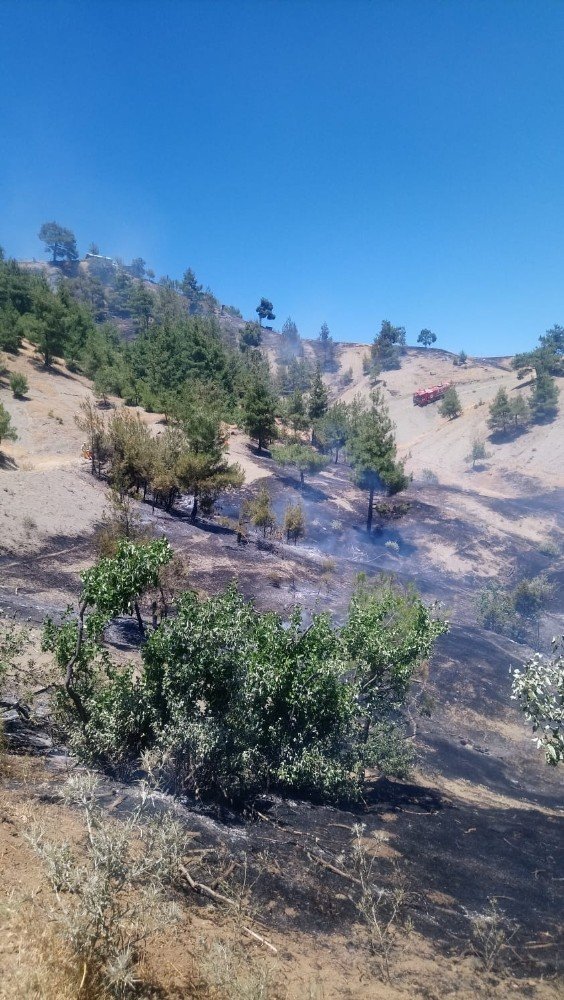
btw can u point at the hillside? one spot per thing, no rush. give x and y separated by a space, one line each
480 815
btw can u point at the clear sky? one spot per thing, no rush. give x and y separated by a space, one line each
352 161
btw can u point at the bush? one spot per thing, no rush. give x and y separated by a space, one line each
18 384
430 477
230 703
103 927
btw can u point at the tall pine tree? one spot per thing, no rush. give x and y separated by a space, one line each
372 451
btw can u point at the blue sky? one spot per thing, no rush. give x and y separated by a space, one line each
352 161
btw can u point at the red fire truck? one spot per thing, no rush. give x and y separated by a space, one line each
434 392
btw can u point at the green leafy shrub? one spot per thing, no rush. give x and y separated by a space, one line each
229 702
18 384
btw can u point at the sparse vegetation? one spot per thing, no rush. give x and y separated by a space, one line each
18 384
514 611
478 452
110 897
294 525
492 933
7 432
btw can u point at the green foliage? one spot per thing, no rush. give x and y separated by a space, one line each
539 689
426 338
332 429
250 337
507 414
294 525
18 384
229 702
302 456
388 346
513 611
110 895
290 330
114 584
372 451
259 411
260 511
265 310
59 241
547 358
450 406
7 432
478 452
544 399
318 397
388 635
10 329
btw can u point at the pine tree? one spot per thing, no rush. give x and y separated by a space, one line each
451 406
259 412
7 432
388 345
544 399
500 412
261 513
520 411
294 522
318 397
372 451
332 430
265 310
302 456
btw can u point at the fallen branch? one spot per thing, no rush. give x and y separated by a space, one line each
205 890
259 937
333 868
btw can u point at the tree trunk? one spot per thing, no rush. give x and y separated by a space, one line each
370 510
139 619
336 456
194 513
302 480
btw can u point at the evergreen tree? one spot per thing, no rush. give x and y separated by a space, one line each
426 338
290 330
520 412
372 451
451 406
7 432
500 412
302 456
10 330
261 513
544 399
141 304
295 412
250 337
138 267
318 398
259 412
59 241
265 310
388 345
332 429
191 288
294 522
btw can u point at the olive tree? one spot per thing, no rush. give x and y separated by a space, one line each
539 689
